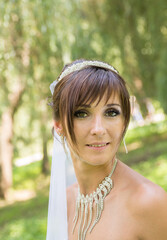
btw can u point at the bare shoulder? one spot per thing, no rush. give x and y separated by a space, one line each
142 189
151 210
151 197
147 203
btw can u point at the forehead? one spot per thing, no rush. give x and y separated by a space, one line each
105 100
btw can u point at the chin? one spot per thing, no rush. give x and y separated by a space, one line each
94 161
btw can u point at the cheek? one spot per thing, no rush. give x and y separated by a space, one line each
117 130
79 130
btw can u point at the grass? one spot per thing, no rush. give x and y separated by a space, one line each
24 220
25 228
27 220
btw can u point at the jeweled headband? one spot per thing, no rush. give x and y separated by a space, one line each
79 66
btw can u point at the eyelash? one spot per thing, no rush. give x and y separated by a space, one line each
78 113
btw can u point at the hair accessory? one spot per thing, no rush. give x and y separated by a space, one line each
79 66
84 206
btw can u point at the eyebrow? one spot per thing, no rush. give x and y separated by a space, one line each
108 105
113 104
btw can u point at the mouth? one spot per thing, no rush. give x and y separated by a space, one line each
98 146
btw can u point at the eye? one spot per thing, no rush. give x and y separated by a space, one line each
80 114
112 113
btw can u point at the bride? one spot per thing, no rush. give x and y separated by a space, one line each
110 201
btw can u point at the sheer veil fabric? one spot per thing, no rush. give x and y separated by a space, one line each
62 175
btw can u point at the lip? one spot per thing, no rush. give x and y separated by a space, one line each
98 148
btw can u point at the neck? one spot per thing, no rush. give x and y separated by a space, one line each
89 177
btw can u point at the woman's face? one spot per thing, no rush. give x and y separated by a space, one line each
98 130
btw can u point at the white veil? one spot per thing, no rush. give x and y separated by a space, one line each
62 175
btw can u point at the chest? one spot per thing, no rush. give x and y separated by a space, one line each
116 223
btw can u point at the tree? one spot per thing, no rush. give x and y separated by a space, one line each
35 37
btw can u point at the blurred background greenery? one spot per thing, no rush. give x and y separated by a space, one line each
37 38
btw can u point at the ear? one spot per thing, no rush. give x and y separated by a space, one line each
58 127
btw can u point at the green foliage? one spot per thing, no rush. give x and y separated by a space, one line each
26 177
154 169
138 31
161 79
148 132
38 37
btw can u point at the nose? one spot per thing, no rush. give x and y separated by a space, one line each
97 126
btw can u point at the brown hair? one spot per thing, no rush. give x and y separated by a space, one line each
85 87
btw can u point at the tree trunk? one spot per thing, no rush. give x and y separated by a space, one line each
6 145
6 153
45 160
